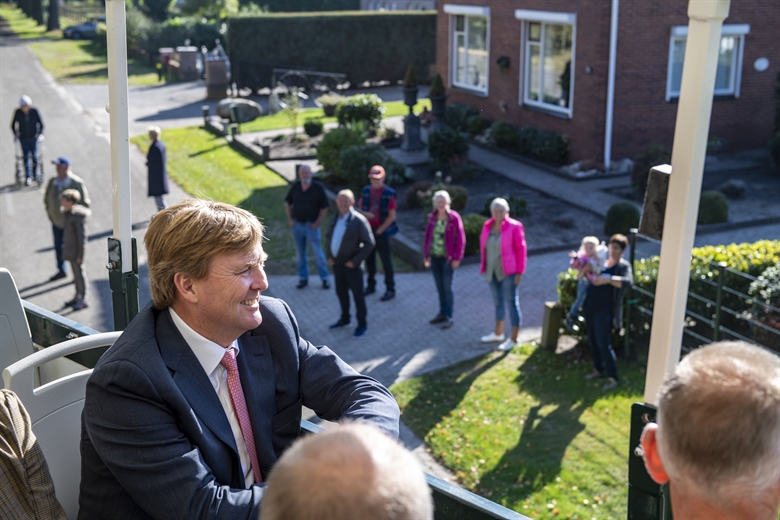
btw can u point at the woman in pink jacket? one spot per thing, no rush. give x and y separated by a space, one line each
445 242
503 254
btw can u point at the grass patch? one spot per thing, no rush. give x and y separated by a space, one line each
525 429
72 61
280 120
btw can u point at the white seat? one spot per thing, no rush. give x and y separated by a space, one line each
55 411
15 339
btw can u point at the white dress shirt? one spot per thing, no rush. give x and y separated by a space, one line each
210 355
338 233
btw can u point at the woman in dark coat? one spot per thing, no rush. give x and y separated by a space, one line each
158 174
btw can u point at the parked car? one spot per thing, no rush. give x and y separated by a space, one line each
84 31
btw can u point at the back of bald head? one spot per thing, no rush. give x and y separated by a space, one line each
352 471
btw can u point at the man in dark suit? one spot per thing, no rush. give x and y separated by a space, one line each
186 414
157 168
350 241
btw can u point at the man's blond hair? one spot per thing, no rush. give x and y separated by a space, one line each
349 472
185 238
719 422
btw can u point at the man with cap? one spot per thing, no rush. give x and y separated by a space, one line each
27 127
378 205
64 180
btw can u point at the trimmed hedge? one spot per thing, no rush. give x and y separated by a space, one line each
367 108
713 208
290 6
472 225
355 162
621 217
365 45
752 259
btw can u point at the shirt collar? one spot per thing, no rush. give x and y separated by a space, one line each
209 354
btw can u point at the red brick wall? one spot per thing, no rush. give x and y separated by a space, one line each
641 116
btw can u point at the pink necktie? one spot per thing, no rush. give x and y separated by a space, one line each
239 406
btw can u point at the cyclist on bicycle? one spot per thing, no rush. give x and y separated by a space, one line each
27 126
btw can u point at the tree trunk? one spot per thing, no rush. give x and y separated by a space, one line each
54 15
37 11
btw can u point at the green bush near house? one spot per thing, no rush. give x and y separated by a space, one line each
413 193
445 144
517 206
365 108
713 208
333 143
355 161
654 155
765 290
621 217
457 115
544 145
459 196
505 135
475 125
472 225
292 6
313 127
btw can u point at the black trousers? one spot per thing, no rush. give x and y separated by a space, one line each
383 247
350 279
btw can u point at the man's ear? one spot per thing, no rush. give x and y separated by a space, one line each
653 464
185 287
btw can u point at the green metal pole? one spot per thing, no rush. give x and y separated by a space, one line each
719 300
124 285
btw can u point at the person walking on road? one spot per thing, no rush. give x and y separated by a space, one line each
350 241
306 204
378 205
443 248
64 180
156 162
74 239
27 127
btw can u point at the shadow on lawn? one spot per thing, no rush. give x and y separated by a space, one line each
537 457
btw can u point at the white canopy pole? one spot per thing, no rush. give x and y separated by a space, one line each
120 138
682 204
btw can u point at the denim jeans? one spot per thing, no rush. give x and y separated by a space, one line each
29 155
442 275
383 248
506 291
303 233
582 292
599 326
58 233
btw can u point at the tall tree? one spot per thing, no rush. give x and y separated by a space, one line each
54 15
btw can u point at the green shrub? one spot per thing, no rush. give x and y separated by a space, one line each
445 144
380 45
750 259
355 161
456 115
476 125
765 290
472 225
329 103
437 87
333 143
461 168
621 217
544 145
505 135
713 208
290 6
652 156
413 197
366 108
313 127
459 196
410 81
517 206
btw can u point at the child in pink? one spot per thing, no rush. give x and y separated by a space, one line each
589 261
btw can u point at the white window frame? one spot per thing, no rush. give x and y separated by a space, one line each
546 17
467 10
680 32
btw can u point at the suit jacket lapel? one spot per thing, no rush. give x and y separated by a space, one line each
193 382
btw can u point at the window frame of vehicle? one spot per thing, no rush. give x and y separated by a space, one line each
537 26
732 40
462 18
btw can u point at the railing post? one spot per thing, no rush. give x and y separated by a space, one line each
719 300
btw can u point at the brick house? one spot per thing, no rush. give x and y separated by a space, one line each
546 64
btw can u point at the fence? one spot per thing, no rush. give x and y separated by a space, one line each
718 308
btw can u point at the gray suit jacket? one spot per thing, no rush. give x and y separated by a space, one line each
358 240
156 443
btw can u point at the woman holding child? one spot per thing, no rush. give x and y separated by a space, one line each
503 255
603 309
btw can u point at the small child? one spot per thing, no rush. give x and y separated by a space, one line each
589 261
73 240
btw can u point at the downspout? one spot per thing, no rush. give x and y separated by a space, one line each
613 32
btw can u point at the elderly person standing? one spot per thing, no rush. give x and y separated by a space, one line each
306 204
503 255
27 126
377 203
443 248
156 162
603 309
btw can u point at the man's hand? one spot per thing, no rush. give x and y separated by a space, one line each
330 261
350 264
79 260
369 215
292 222
314 225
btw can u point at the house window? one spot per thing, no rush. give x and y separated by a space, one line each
548 53
729 71
470 29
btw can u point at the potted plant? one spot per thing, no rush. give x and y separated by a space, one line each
410 88
438 97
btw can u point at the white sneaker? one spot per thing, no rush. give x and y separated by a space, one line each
507 345
491 338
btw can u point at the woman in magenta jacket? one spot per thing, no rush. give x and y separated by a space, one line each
503 255
445 242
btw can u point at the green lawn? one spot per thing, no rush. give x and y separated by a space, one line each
72 61
527 431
